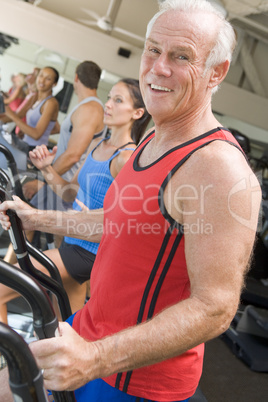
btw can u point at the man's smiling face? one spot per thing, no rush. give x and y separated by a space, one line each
172 68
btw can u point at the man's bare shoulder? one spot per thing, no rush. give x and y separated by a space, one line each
88 111
218 160
92 105
215 180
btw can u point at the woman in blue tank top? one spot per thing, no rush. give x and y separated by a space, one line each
42 117
127 118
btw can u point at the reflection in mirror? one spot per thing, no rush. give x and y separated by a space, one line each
21 56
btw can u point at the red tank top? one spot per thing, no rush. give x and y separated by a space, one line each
140 269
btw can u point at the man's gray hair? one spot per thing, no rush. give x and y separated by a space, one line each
226 38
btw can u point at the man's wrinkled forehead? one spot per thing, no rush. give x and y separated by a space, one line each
201 25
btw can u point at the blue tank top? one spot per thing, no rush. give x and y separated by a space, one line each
94 179
32 117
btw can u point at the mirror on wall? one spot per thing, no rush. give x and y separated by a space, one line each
22 56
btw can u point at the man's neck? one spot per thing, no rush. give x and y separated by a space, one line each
86 93
184 129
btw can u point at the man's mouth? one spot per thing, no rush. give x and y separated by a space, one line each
159 88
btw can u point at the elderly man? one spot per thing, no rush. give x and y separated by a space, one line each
187 207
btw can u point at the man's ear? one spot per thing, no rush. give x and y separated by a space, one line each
218 73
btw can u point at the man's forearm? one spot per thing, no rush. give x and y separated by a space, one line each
169 334
86 225
60 186
64 163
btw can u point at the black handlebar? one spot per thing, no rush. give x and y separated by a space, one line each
12 166
22 251
45 321
15 183
25 379
5 180
46 261
9 157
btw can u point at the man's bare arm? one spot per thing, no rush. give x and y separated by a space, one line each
85 224
86 121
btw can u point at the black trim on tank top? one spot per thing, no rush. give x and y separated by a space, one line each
145 138
174 170
142 141
148 288
97 135
138 168
153 274
163 274
122 146
118 149
156 294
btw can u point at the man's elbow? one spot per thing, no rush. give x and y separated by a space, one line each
75 158
225 314
219 312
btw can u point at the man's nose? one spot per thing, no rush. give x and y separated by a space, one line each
162 66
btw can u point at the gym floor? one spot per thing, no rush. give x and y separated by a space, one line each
227 379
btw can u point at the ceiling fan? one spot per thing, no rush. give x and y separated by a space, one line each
106 22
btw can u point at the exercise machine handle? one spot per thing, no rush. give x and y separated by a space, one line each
5 180
44 260
25 379
18 241
12 166
44 318
15 184
45 321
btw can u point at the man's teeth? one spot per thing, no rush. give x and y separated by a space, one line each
160 88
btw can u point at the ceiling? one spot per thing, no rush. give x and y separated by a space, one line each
127 19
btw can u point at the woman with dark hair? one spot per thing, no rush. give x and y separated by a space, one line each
140 125
127 118
42 116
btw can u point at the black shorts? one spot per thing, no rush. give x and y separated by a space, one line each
77 261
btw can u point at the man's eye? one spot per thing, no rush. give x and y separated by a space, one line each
181 57
153 50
